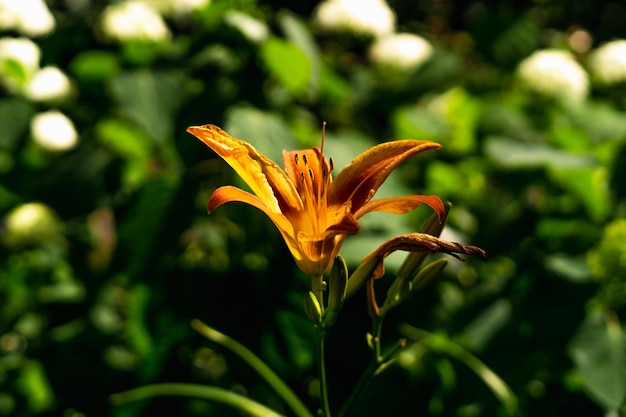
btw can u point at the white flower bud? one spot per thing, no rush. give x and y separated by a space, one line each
554 74
362 17
19 60
133 21
176 7
608 63
403 51
49 84
53 131
28 17
31 223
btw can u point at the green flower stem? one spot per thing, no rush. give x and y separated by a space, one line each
197 391
321 374
257 364
377 331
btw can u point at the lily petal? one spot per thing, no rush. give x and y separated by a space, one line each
401 205
360 179
418 242
229 193
264 177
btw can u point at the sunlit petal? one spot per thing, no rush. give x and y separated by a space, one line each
229 193
401 205
360 180
266 179
418 242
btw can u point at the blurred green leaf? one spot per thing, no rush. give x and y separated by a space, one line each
590 186
486 324
299 33
151 99
288 63
417 123
265 130
461 111
511 153
95 66
599 353
518 40
15 114
573 268
601 121
124 138
33 382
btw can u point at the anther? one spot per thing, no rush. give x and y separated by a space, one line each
331 163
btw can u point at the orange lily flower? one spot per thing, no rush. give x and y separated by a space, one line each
313 212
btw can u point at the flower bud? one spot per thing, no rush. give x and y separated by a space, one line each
360 276
553 74
427 273
337 284
30 224
398 292
312 308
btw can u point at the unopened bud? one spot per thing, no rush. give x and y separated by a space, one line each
361 275
31 224
427 273
312 308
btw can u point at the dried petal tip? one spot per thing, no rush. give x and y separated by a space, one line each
419 242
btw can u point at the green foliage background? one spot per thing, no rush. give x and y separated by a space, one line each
105 306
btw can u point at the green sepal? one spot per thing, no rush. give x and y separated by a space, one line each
312 308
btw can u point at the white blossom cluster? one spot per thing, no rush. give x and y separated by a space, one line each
363 17
555 74
607 63
404 51
21 72
376 20
143 20
27 17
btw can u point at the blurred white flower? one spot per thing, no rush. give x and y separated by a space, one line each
555 74
363 17
30 223
53 131
253 29
176 7
28 17
19 60
49 84
403 51
608 63
133 21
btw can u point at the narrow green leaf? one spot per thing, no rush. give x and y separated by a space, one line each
210 393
